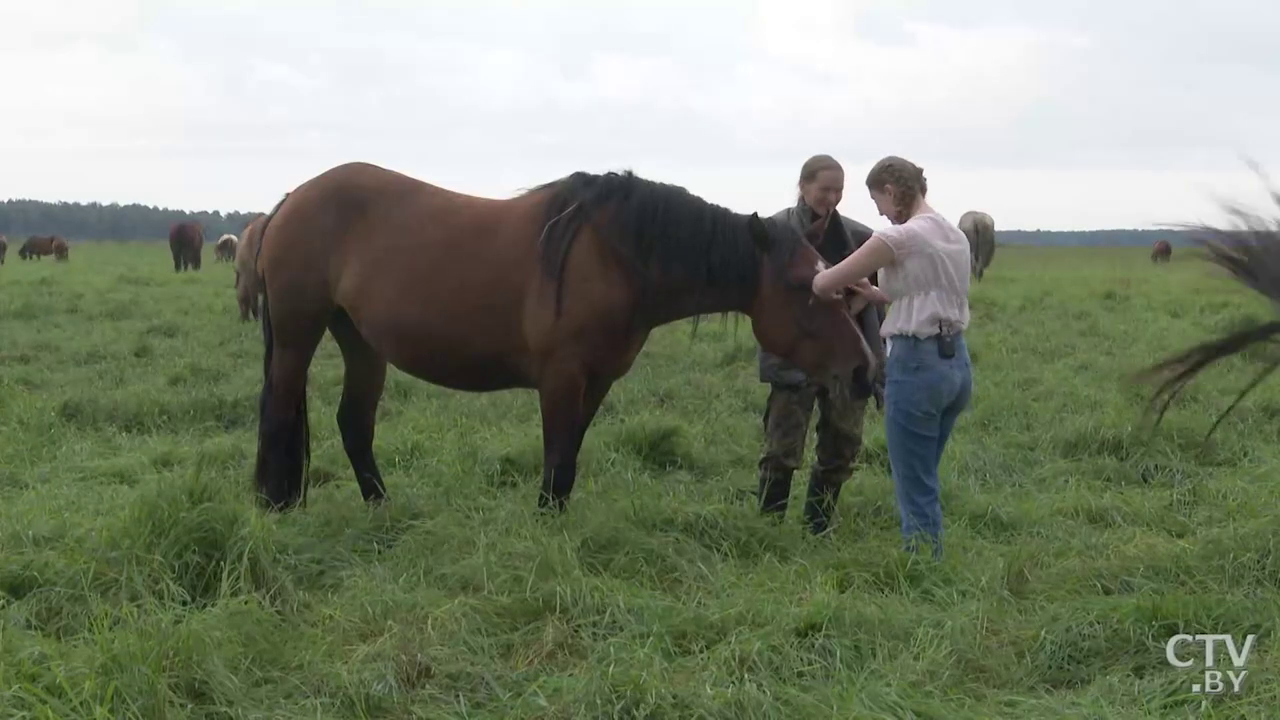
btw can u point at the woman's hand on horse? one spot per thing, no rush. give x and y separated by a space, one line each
873 255
825 289
873 294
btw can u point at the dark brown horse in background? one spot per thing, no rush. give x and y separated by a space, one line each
556 290
248 284
1250 252
61 251
4 248
1161 251
186 244
36 246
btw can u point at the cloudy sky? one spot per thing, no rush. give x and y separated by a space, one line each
1057 115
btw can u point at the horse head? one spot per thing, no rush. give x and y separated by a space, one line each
818 336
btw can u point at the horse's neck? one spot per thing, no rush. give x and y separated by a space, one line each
667 304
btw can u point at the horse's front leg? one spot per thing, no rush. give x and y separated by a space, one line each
569 403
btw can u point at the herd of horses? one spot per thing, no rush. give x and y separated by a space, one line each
555 290
38 246
186 245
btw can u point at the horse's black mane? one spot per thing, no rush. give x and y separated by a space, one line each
658 228
1250 253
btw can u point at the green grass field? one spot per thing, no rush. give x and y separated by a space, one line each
138 581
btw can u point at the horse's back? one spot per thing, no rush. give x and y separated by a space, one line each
362 216
186 232
980 230
975 221
40 244
439 282
247 247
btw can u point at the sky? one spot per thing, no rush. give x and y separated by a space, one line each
1071 114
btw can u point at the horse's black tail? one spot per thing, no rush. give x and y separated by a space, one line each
1251 254
295 447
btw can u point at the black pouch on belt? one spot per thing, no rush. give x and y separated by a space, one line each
946 344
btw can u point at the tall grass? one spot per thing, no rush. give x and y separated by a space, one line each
137 580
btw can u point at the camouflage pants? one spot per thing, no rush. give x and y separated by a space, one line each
786 429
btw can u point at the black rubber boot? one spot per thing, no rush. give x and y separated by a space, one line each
820 503
774 492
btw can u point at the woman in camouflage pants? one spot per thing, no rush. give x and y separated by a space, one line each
792 395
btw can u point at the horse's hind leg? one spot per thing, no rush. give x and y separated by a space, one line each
364 376
283 431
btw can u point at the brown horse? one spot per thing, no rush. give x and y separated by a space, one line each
4 248
1251 254
248 284
186 244
61 251
556 290
225 249
36 246
1161 251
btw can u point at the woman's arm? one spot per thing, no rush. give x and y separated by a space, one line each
874 254
873 294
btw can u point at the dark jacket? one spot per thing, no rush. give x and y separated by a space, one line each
840 240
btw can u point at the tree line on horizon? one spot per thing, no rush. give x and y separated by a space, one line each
96 221
20 218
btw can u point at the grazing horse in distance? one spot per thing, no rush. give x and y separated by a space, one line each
225 249
186 244
980 229
1250 253
61 251
4 248
555 290
1161 251
248 283
36 246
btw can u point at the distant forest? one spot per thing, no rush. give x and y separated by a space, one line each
95 221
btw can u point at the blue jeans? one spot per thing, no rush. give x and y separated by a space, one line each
924 394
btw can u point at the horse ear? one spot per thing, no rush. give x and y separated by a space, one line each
759 233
